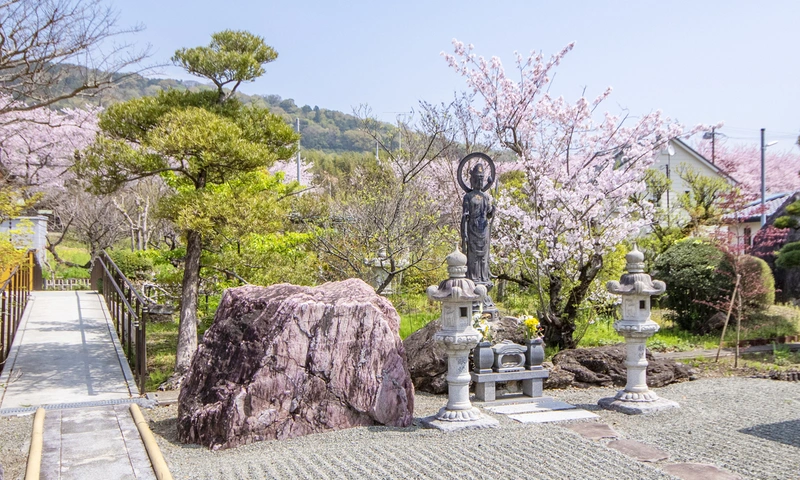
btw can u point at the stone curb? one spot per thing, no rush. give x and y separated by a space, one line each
35 452
156 459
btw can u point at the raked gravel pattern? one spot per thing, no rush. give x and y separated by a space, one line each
750 427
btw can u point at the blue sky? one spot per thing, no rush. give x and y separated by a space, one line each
698 62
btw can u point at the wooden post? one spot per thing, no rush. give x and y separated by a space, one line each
738 329
727 317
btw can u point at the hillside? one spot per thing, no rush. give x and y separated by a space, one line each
322 129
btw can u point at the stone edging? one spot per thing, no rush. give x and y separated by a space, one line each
156 459
35 452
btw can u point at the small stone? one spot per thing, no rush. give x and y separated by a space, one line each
593 430
639 451
698 471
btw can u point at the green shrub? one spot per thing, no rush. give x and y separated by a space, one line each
793 208
697 275
789 256
758 284
785 222
134 265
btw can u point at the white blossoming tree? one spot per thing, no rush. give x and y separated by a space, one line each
581 170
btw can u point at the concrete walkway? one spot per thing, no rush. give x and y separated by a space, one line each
65 352
93 444
66 357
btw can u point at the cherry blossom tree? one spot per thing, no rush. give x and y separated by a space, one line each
581 171
743 162
38 146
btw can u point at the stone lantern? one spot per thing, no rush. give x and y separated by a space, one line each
457 295
636 288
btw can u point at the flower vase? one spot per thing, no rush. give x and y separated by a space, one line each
534 355
483 358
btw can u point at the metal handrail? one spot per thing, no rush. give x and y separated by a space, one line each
128 311
14 294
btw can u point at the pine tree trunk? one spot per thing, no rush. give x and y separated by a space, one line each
187 331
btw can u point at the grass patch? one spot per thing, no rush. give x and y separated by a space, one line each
411 322
758 363
415 311
778 321
162 343
69 251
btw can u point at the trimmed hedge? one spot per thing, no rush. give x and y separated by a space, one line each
758 284
700 279
789 256
696 273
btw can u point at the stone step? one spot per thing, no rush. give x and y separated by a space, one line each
542 405
553 416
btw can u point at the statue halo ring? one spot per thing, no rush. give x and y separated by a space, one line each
463 163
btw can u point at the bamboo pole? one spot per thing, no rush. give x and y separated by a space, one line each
727 317
738 329
156 459
34 466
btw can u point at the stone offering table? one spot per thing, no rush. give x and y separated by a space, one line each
509 363
532 381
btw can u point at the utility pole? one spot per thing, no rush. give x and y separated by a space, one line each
713 142
763 181
298 151
763 178
712 135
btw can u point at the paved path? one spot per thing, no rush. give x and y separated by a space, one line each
65 352
66 357
99 443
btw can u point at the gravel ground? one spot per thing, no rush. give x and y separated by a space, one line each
747 426
15 435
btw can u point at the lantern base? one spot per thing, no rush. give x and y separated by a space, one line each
485 421
637 407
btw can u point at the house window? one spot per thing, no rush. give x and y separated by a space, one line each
748 239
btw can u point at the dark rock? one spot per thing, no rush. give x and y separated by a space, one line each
285 361
427 360
605 366
559 378
507 328
715 323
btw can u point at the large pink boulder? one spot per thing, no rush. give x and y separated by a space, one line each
285 361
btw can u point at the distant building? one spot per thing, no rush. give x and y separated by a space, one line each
748 219
26 233
682 155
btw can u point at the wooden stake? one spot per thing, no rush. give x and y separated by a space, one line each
728 316
738 328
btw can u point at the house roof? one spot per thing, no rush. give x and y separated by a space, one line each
772 203
704 160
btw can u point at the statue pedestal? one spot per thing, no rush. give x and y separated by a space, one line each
637 408
483 422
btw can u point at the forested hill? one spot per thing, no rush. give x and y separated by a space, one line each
321 129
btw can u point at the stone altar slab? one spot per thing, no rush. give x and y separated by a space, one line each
483 422
553 416
543 404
